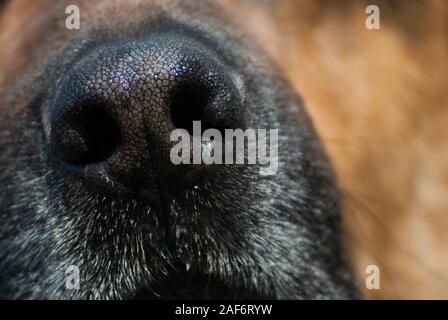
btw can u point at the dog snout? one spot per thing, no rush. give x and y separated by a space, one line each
115 109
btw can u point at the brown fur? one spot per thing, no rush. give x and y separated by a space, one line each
379 102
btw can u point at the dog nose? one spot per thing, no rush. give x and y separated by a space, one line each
115 109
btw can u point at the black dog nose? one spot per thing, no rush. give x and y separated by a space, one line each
115 109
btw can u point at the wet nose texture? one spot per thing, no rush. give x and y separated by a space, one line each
115 109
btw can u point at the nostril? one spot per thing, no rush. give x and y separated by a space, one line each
101 135
90 137
198 101
188 104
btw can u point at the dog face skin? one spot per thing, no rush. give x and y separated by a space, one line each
224 232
